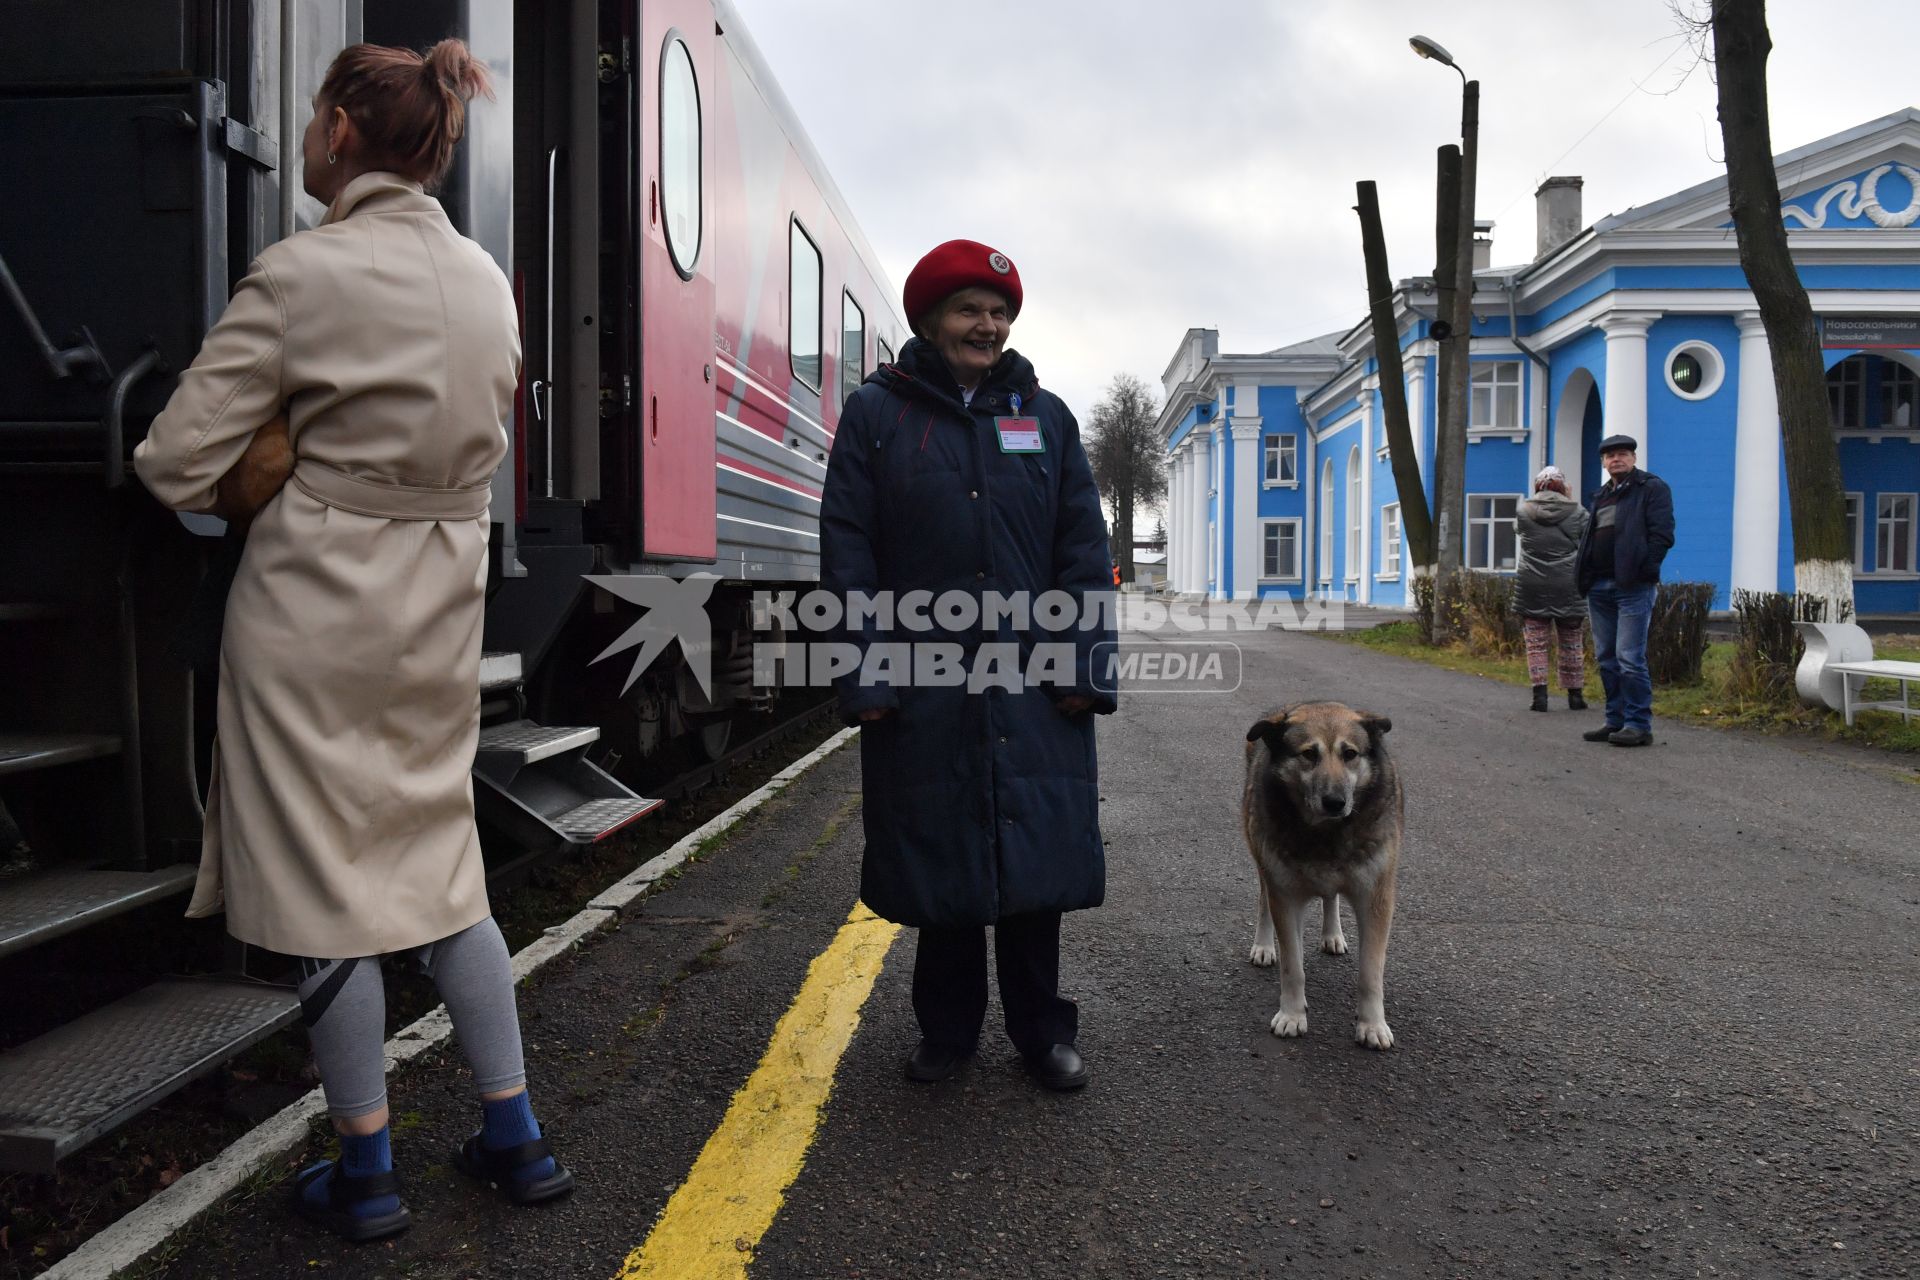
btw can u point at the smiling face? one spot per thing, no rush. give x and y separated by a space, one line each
970 331
1618 462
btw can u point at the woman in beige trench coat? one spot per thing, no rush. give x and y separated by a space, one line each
340 820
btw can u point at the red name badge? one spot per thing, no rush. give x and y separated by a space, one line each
1019 435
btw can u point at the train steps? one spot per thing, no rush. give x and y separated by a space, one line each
86 1077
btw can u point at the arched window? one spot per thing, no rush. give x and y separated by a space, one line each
1354 514
1326 521
1871 393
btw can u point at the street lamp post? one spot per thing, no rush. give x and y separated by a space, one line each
1456 388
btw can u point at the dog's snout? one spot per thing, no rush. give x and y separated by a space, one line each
1332 805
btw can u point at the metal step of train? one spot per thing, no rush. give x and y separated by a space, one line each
83 1079
39 907
63 1090
534 783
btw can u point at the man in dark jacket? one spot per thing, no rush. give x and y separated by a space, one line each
955 476
1620 556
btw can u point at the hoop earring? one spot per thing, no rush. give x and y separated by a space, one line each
332 158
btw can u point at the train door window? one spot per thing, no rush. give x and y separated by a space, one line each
803 307
853 347
886 352
680 155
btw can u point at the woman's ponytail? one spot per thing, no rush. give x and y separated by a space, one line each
410 108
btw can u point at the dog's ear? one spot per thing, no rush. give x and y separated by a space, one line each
1376 727
1270 732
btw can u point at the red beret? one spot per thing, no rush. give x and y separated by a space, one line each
957 265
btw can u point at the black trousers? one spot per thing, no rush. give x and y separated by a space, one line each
950 983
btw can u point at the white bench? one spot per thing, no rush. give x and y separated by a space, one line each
1817 680
1907 673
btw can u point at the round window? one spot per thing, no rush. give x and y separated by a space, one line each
1688 377
1694 370
680 155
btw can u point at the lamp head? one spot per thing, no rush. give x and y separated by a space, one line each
1431 49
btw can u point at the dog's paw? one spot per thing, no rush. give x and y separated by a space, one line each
1264 955
1288 1024
1334 944
1374 1035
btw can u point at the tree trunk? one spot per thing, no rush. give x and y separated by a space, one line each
1822 554
1416 526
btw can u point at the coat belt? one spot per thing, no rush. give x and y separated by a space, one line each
388 498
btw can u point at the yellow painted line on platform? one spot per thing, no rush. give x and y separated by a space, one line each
713 1222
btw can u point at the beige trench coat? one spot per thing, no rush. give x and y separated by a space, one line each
340 820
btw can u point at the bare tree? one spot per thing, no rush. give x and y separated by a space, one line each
1128 459
1408 486
1822 554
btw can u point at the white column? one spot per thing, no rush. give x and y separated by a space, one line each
1189 530
1202 482
1365 592
1173 519
1756 464
1416 412
1626 406
1246 508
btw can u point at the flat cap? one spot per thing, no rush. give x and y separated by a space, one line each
1619 442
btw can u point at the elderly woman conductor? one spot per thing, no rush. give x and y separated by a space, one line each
340 821
954 473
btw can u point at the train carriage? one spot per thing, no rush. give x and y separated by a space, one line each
697 303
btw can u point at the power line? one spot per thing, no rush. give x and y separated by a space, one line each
1636 87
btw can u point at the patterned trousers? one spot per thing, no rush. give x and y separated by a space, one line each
1571 633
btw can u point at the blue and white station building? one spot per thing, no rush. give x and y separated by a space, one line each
1642 324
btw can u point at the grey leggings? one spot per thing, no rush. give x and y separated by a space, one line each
344 1006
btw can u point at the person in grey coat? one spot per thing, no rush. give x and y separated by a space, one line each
1546 594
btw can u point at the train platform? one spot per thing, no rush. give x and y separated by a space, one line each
1650 1014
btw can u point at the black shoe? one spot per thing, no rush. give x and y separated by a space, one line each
1539 698
1060 1067
1603 734
931 1062
1630 738
502 1169
1576 700
343 1193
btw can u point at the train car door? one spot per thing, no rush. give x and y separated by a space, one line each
677 479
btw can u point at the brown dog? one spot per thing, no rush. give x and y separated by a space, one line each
1323 814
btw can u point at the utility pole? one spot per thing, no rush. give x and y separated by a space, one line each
1456 377
1447 523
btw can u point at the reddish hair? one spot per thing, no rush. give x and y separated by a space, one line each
410 108
1554 483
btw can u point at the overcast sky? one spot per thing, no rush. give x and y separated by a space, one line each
1153 166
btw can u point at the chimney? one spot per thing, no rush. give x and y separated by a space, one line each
1482 243
1557 207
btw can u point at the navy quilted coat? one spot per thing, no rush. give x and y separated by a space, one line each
983 804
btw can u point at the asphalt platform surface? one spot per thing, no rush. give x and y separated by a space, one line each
1654 1013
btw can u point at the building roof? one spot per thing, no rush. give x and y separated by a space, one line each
1327 344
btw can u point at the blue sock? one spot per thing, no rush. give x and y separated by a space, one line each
508 1122
360 1155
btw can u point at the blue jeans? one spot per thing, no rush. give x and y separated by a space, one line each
1620 618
